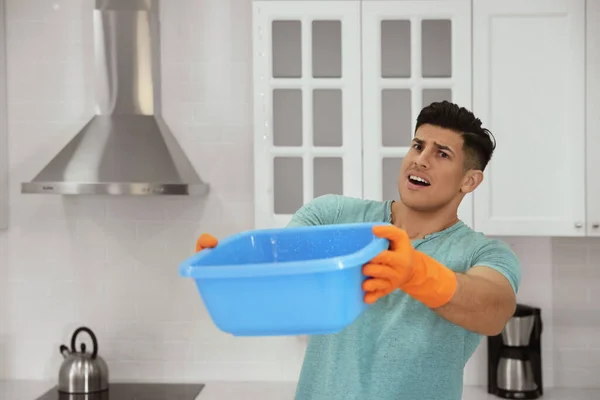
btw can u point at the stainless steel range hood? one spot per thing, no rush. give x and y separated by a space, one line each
126 148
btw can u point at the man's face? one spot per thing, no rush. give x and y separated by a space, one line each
432 173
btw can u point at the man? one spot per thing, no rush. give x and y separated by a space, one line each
438 289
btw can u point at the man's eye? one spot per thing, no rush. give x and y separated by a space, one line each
444 155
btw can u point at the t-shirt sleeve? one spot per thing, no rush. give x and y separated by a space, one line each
500 257
322 210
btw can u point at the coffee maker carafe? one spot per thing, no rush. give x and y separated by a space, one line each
514 356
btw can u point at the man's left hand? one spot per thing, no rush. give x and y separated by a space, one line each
402 267
390 268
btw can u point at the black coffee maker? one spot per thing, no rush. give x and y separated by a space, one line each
515 356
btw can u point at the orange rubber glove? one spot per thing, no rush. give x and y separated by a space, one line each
206 241
402 267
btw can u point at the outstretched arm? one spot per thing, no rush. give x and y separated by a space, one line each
319 211
322 210
480 300
484 300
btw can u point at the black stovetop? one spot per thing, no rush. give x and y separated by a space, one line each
133 391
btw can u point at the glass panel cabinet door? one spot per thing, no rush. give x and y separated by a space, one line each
307 105
413 53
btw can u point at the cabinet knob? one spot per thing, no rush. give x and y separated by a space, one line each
596 225
578 225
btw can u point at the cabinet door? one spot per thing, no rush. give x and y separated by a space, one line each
414 53
528 87
3 126
593 116
307 117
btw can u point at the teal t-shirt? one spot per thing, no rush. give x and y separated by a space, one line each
398 349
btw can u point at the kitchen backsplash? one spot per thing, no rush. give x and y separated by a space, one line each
111 263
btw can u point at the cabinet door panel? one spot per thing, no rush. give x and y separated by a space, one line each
307 119
414 53
528 87
3 127
593 116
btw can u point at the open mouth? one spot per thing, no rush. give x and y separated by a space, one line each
416 180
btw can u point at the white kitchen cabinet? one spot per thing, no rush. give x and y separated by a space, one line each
307 105
3 125
593 116
339 84
414 53
318 129
529 90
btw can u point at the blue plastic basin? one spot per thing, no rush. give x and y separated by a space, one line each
289 281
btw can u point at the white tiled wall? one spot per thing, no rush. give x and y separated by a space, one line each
111 263
562 277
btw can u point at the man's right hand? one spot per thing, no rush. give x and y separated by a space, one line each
206 241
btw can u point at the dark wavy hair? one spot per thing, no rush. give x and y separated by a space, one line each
478 143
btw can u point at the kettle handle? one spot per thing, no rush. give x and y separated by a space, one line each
62 350
89 332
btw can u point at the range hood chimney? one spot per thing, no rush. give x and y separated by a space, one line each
126 148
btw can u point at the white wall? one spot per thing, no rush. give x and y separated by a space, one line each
562 277
111 263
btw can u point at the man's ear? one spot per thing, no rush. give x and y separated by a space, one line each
472 179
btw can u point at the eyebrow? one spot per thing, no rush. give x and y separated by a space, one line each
439 146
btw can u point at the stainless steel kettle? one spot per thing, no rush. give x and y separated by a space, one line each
82 372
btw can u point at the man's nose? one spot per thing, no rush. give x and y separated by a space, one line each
423 159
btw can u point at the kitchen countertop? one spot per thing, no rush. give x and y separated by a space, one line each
30 390
23 390
285 391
